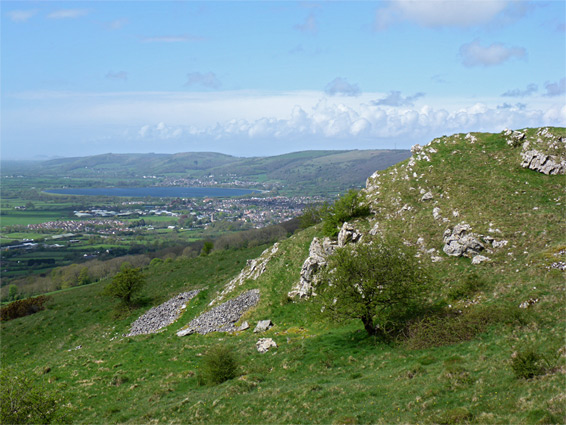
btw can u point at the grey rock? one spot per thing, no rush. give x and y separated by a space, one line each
163 315
223 317
427 196
245 325
264 344
347 234
263 325
254 269
478 259
543 163
318 252
460 242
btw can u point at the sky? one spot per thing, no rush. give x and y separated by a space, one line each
258 78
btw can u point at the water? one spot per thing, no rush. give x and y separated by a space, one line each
156 192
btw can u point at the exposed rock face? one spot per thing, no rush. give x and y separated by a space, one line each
254 269
264 344
263 325
546 164
459 242
347 234
223 317
544 152
317 258
162 315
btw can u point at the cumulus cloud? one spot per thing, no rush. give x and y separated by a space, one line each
172 39
555 89
339 86
160 131
528 91
439 13
394 98
309 26
474 54
121 75
67 13
336 121
21 15
208 80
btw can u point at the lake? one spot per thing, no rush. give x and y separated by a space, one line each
156 192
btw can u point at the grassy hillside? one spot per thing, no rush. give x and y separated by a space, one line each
325 372
300 173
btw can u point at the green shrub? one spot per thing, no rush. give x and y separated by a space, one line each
21 402
381 283
351 205
126 284
23 308
527 364
219 365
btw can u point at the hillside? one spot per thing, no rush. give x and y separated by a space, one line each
315 172
451 195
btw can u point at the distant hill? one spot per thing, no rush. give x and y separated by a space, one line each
314 172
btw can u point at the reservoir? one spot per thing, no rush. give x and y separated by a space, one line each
156 192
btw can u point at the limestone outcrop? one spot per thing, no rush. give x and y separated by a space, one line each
254 269
461 242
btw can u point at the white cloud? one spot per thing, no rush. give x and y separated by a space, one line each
528 91
439 13
21 15
160 131
474 54
394 98
339 86
67 13
257 123
555 89
208 80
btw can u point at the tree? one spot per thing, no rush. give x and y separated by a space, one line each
353 204
125 284
381 283
12 292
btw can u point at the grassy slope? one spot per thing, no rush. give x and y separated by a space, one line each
323 372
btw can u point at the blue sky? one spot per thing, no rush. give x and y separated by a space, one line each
263 78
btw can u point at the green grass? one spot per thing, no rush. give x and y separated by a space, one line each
324 372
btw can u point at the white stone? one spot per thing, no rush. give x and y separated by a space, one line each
264 344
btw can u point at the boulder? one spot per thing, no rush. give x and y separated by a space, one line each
264 344
427 196
460 242
263 325
478 259
347 234
243 327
